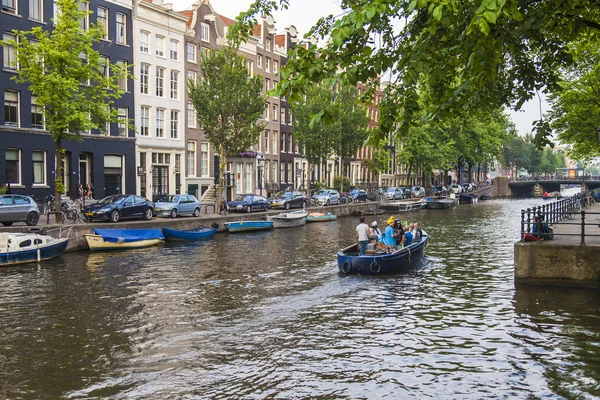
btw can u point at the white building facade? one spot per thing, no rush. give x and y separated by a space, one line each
160 92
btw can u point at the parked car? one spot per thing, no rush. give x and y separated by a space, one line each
439 190
18 208
359 195
394 193
456 188
120 206
248 202
173 205
407 192
418 191
329 196
287 199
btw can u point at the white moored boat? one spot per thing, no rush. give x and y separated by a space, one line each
117 239
289 219
20 248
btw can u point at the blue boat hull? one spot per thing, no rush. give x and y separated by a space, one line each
391 263
28 256
192 234
244 226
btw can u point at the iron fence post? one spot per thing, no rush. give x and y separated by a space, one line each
528 220
582 228
522 225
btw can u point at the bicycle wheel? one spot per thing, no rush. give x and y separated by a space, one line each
82 218
70 216
570 213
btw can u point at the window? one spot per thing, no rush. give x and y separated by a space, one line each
289 143
282 115
274 112
145 121
39 171
191 159
160 46
11 108
267 64
192 75
10 55
191 52
174 124
178 163
36 10
84 22
274 176
268 44
144 42
275 66
13 166
204 32
191 115
160 121
267 85
121 37
174 84
281 172
274 148
122 121
55 12
174 53
160 77
267 171
9 6
122 66
144 78
204 159
250 67
267 111
282 142
37 114
259 61
266 142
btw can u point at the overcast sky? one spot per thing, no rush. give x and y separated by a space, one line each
303 14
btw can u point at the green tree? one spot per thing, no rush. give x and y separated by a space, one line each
472 55
228 105
66 74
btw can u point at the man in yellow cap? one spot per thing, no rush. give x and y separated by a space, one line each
389 235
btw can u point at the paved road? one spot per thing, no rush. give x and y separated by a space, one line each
569 231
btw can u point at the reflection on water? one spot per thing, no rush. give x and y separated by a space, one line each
266 315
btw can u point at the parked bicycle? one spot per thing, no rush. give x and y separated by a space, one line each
74 215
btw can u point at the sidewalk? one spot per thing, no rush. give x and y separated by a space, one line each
569 231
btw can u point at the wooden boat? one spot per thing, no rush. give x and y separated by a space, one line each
380 262
467 199
245 226
118 239
21 248
320 217
441 203
189 234
485 196
289 219
402 205
371 211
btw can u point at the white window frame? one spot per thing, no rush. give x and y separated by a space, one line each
9 60
36 10
122 121
174 84
84 23
268 44
145 42
121 28
267 64
275 111
174 50
191 158
101 16
121 64
160 46
11 8
19 166
259 61
191 115
144 78
160 81
275 142
43 172
275 66
145 121
204 32
18 107
34 105
174 124
160 123
192 75
275 170
191 52
204 158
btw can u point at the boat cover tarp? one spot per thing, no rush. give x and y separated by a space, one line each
128 235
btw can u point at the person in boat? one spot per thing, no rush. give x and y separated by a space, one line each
399 232
389 235
362 231
408 237
545 194
376 231
416 232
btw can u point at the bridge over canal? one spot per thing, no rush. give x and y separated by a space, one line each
527 188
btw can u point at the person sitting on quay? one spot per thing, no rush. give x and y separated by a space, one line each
408 237
362 230
389 235
376 231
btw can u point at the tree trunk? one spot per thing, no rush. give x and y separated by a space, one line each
222 164
341 174
58 181
308 172
408 175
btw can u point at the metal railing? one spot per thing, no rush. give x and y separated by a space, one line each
555 213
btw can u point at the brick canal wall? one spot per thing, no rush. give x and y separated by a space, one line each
557 264
77 240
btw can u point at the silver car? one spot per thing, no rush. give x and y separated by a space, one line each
327 196
18 208
173 205
394 193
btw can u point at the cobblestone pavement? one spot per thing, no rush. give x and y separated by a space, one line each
569 231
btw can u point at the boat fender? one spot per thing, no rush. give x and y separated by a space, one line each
375 267
346 267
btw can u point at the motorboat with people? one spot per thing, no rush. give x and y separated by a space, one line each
120 239
381 261
21 248
289 219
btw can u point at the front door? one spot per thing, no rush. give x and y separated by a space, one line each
160 182
111 184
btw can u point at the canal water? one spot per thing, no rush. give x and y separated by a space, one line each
267 315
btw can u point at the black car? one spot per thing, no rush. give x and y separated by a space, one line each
120 206
287 200
359 195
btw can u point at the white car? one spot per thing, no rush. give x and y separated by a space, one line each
456 188
328 196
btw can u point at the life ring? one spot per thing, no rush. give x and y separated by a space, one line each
346 267
375 267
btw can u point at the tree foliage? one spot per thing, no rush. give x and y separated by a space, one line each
67 76
228 104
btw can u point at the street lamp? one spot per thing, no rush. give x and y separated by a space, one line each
260 160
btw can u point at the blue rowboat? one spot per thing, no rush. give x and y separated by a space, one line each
189 234
320 217
244 226
380 262
21 248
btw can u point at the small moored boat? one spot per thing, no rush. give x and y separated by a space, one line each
198 233
21 248
485 196
371 211
467 199
245 226
117 239
402 205
320 217
441 203
289 219
380 262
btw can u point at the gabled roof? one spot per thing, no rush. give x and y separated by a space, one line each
280 40
188 13
227 21
256 30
